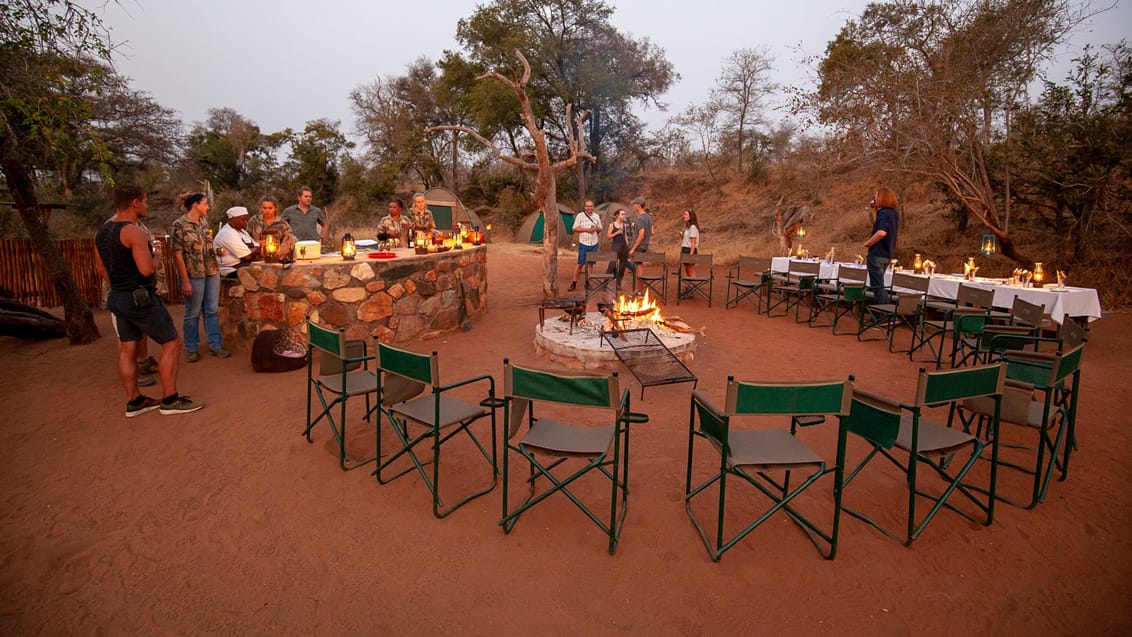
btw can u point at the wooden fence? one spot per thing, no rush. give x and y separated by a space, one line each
23 274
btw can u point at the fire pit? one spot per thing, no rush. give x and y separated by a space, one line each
582 346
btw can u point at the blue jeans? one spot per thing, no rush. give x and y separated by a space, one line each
876 266
206 297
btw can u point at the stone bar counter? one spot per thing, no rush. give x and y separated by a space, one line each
410 297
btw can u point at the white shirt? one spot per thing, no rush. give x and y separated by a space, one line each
582 220
236 245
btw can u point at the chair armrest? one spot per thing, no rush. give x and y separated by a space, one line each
468 381
493 403
635 418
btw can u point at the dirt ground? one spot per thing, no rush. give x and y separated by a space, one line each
228 521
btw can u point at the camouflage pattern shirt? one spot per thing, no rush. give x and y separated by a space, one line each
257 225
423 219
195 246
402 228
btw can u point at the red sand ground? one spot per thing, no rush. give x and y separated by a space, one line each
227 521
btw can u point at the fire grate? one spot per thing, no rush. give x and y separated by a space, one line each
575 307
648 359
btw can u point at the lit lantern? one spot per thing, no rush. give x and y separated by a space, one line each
270 246
1038 274
969 269
487 237
477 236
800 231
989 246
917 263
349 248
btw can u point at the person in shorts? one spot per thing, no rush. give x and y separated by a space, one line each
125 257
587 226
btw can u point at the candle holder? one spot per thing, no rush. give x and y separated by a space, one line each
349 248
917 263
989 245
1039 274
270 246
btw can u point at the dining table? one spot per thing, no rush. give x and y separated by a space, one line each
1059 301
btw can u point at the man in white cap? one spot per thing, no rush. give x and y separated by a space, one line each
234 246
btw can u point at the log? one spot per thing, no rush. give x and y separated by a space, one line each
25 321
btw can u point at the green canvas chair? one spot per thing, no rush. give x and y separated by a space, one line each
343 372
903 434
1041 395
562 453
431 420
689 287
767 458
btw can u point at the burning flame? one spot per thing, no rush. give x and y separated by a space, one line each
639 309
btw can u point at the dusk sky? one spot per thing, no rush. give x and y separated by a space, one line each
282 63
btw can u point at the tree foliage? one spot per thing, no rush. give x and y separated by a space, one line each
577 58
1070 151
927 87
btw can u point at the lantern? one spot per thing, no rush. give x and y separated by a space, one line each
487 237
1038 274
349 248
989 246
800 231
270 246
917 263
969 269
477 236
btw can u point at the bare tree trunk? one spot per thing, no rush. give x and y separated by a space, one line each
77 314
549 202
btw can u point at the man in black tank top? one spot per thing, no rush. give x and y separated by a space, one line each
125 258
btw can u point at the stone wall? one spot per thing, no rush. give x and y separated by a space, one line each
397 300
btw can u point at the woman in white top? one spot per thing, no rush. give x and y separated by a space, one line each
691 239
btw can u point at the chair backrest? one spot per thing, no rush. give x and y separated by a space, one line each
423 368
563 387
697 259
334 349
905 281
969 320
649 257
853 291
852 274
524 385
951 385
969 295
824 398
752 266
1026 313
601 256
874 418
805 268
1071 334
908 303
1070 363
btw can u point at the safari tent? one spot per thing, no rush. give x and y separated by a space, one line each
447 210
534 226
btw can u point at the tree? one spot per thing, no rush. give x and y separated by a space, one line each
46 49
546 187
924 86
740 94
231 152
1070 150
316 156
577 57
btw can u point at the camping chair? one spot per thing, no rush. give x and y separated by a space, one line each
655 277
967 317
691 286
1024 331
796 288
888 317
842 297
753 455
600 281
549 444
749 276
432 419
890 425
1041 394
343 373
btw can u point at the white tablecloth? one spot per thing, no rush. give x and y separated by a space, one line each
1059 303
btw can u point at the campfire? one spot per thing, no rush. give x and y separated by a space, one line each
631 312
